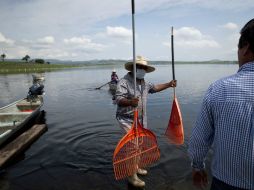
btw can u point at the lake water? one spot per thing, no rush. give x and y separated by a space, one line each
76 151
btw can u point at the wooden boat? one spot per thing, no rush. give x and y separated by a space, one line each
112 87
38 78
16 116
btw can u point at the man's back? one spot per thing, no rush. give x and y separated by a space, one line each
227 121
232 103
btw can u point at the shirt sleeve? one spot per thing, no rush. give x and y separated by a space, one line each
151 89
203 133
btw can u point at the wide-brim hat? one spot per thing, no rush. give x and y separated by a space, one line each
139 61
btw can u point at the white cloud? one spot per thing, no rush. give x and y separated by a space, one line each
119 32
77 41
83 44
230 26
16 51
56 54
47 40
51 53
193 38
166 44
5 40
233 38
40 43
40 19
233 5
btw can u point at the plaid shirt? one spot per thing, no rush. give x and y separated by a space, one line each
125 89
226 120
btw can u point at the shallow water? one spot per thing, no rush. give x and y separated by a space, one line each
76 151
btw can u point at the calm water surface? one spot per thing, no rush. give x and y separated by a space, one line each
76 151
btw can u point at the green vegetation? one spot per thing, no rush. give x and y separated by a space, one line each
3 56
39 61
40 65
21 67
26 58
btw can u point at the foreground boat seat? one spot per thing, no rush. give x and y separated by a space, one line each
12 117
28 106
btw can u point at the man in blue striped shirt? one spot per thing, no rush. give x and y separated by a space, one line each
226 124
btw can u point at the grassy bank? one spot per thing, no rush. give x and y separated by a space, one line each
21 67
12 67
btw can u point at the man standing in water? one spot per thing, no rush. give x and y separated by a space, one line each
226 120
126 102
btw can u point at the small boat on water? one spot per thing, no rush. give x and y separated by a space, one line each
113 83
17 115
112 87
38 78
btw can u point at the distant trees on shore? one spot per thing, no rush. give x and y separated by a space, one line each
3 56
40 61
26 58
37 61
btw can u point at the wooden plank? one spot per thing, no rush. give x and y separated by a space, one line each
21 143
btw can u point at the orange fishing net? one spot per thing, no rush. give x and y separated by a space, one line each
175 131
137 149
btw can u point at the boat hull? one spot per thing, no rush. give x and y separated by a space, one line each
112 88
16 116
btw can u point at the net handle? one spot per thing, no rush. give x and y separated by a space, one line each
133 45
134 55
172 55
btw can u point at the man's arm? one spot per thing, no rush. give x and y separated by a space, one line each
160 87
200 142
128 102
122 95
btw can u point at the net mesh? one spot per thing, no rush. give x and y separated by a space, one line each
137 149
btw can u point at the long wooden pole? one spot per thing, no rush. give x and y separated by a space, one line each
133 45
172 55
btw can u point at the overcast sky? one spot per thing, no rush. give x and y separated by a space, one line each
101 29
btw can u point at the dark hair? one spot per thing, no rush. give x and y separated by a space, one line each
247 35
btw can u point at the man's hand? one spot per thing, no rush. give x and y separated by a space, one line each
172 83
133 102
199 178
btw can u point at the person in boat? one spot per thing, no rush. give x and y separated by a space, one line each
225 123
126 102
114 77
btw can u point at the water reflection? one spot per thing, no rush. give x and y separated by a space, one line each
38 120
4 182
14 87
76 152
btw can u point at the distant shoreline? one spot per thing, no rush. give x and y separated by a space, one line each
12 67
22 67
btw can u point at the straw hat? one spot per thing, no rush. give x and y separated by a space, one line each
139 61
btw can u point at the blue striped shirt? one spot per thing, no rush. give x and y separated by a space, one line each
225 124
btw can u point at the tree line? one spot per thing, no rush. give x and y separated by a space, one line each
26 58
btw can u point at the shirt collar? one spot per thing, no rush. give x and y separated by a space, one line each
129 77
247 67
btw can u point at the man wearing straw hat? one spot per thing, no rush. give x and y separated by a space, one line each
114 77
126 101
